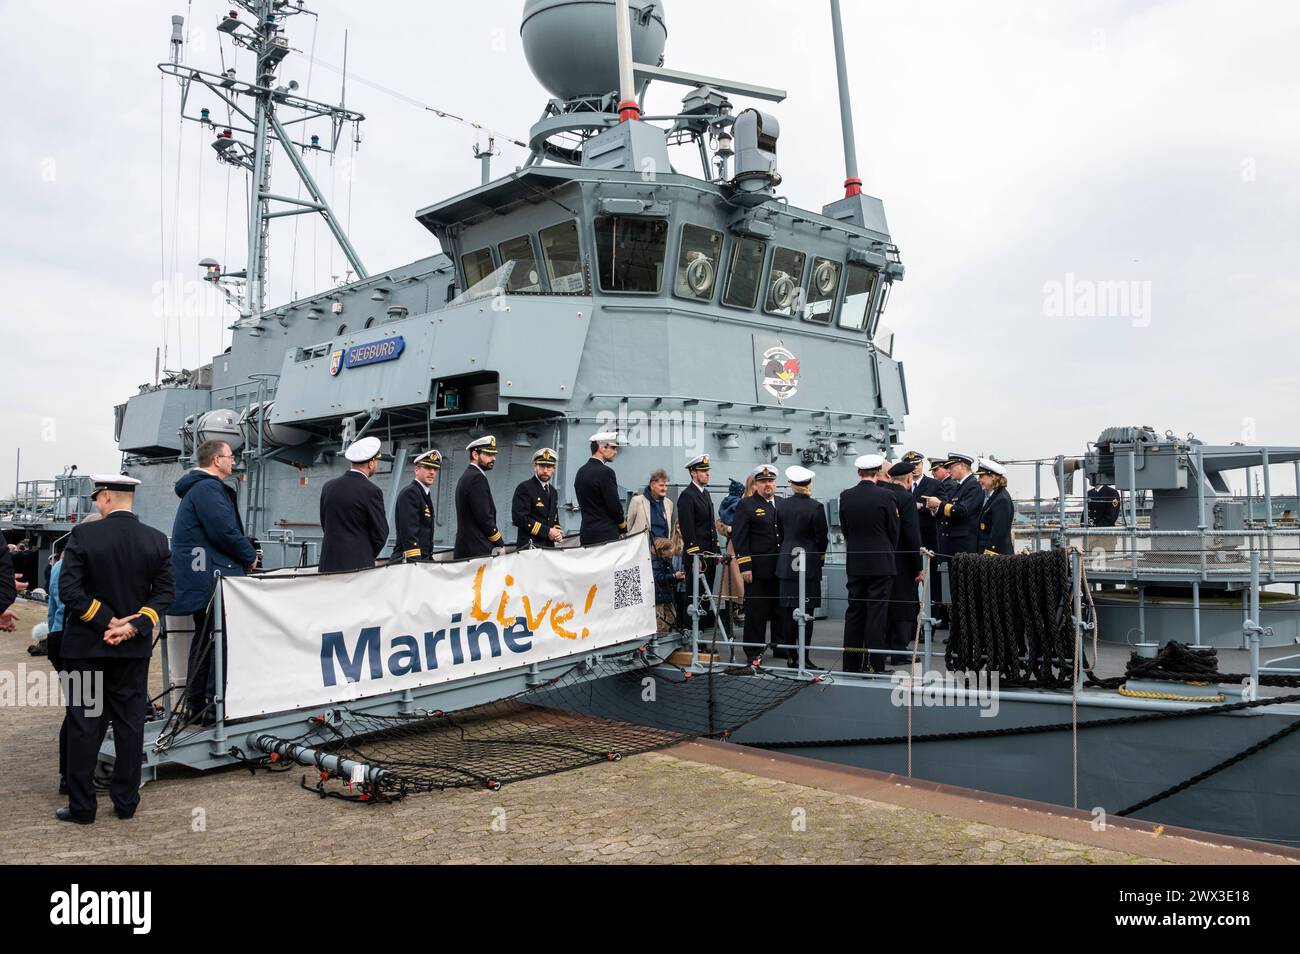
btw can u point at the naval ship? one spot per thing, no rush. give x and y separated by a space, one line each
692 308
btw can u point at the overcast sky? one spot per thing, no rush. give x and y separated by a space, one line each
1025 152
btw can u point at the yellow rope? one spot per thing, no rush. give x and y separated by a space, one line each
1172 696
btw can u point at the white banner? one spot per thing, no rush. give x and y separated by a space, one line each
305 641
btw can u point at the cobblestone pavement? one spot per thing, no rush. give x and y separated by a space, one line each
657 807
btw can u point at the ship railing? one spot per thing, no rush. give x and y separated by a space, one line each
35 501
707 598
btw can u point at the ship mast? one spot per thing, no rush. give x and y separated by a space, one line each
255 120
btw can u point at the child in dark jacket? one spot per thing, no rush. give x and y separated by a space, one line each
666 577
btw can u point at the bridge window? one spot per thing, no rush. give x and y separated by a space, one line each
518 254
859 285
745 273
563 258
785 284
821 290
477 265
697 263
631 253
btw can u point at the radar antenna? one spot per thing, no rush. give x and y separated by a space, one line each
256 108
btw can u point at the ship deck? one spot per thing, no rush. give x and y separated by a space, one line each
699 802
1109 659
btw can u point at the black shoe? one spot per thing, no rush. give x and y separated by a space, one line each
63 785
65 815
125 816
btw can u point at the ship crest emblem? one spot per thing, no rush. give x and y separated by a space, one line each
780 373
336 362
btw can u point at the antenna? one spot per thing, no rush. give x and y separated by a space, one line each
178 37
484 155
255 119
852 184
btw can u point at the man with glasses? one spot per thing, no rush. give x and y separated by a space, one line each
756 536
413 512
207 538
535 510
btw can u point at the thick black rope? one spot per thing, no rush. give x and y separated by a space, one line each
1202 776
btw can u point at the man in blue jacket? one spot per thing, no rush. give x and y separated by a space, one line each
207 537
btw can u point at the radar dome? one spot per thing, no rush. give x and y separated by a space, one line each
572 48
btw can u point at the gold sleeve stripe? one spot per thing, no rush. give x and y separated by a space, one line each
692 549
622 524
91 611
947 510
413 552
536 528
149 611
496 535
742 560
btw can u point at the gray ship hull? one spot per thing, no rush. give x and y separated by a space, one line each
1118 766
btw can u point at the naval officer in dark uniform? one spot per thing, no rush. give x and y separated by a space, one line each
413 511
999 511
803 524
352 518
116 584
476 513
923 485
1103 506
904 604
535 510
957 516
695 519
870 522
595 487
756 536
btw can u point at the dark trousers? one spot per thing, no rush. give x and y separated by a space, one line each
762 610
938 598
55 654
201 675
790 641
122 702
865 621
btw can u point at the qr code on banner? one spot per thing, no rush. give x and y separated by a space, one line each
627 588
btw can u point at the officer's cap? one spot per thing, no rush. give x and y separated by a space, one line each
764 472
430 458
605 437
902 468
484 445
698 462
116 482
990 466
366 449
912 457
956 456
799 476
869 462
546 456
941 462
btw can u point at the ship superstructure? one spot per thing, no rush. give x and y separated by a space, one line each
598 285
